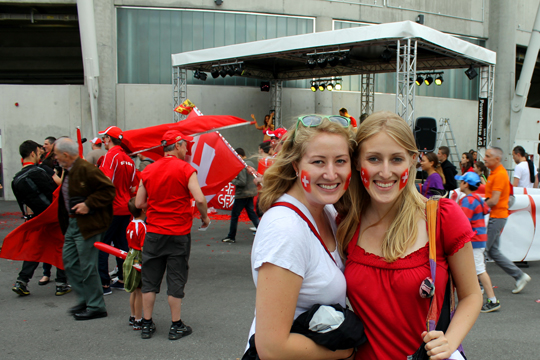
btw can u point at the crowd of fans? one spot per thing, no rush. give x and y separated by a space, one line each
342 218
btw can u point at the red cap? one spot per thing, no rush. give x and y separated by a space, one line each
112 131
279 133
174 136
96 141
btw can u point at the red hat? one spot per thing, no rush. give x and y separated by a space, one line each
174 136
96 141
112 131
279 133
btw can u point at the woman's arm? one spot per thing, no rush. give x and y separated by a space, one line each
256 126
441 345
277 294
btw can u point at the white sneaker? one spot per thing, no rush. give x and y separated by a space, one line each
520 284
253 228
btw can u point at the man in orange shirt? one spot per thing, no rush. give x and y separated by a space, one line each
497 195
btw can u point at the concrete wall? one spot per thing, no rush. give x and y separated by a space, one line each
42 111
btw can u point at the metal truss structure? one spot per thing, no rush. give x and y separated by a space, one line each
367 101
179 77
406 74
276 88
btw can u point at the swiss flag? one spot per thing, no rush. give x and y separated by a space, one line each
40 239
216 163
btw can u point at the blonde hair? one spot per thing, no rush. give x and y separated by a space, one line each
403 231
436 165
281 176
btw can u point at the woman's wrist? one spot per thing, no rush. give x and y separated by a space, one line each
351 356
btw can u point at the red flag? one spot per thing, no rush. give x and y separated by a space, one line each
150 137
224 199
215 161
39 239
79 140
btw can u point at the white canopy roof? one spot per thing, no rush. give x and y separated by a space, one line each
285 58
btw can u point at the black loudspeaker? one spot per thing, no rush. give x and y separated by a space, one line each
425 133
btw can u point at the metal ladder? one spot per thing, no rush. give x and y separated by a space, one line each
445 130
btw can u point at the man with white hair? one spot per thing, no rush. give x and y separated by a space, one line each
84 213
497 195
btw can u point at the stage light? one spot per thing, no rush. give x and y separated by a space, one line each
322 86
386 55
230 71
215 73
223 72
338 86
344 59
197 74
419 80
239 70
313 86
311 63
439 80
265 86
471 73
333 60
429 80
330 87
322 62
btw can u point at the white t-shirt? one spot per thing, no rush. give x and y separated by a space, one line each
284 239
521 172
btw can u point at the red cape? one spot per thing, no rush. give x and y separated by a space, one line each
40 239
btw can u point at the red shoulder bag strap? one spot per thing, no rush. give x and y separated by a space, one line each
311 226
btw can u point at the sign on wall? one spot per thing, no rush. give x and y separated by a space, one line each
482 122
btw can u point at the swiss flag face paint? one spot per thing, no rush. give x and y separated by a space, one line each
305 179
347 182
403 179
365 177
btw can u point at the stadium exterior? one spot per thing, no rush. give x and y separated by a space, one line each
135 40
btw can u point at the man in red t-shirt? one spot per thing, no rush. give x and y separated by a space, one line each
165 192
344 112
118 167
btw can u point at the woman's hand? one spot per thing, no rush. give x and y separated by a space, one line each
437 345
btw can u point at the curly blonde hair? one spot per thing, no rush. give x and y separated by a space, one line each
281 176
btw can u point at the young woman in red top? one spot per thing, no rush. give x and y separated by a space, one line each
383 235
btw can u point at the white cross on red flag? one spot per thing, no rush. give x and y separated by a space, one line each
217 164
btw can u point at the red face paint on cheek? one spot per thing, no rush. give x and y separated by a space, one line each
403 179
305 179
365 177
347 182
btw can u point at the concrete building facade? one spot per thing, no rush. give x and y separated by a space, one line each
35 111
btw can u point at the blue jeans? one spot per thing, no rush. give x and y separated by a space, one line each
238 206
115 234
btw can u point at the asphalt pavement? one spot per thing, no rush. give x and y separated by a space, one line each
219 305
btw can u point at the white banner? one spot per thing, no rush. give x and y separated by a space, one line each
520 240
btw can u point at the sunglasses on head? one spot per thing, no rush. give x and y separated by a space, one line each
316 120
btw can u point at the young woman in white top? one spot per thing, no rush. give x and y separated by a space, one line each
292 270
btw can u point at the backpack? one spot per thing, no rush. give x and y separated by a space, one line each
25 189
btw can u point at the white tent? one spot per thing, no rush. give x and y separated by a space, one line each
403 47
